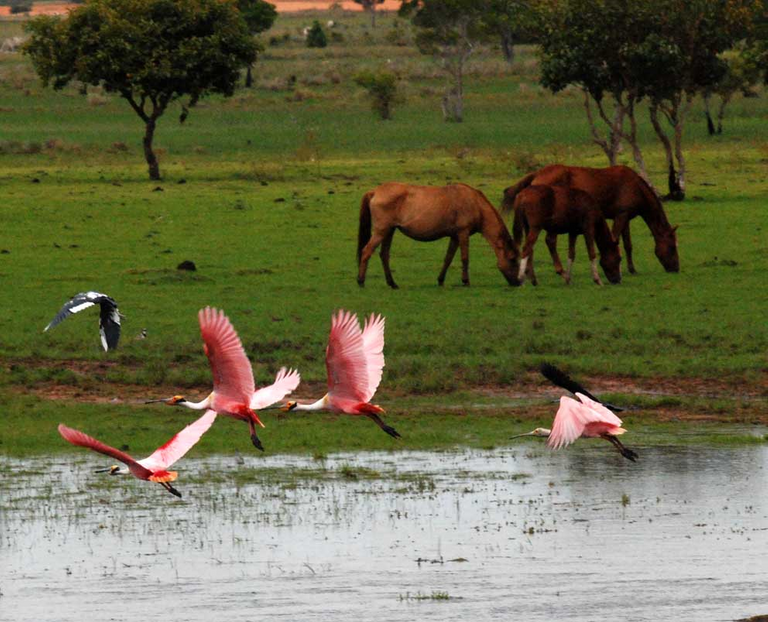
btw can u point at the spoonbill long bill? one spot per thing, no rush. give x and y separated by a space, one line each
234 391
354 359
155 467
583 419
109 317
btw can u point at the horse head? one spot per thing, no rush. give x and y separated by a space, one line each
508 261
610 261
666 250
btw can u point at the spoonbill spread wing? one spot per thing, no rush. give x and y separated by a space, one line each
285 382
373 346
163 457
76 437
572 419
345 359
231 369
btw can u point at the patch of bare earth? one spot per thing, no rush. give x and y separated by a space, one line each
750 400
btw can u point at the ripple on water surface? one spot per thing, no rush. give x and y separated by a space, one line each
519 533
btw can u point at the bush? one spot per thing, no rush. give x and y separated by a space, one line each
382 90
316 36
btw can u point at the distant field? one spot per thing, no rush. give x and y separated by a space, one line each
262 192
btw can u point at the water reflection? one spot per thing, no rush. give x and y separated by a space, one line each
519 533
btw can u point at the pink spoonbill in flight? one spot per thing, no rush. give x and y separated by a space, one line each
586 418
354 360
234 393
155 467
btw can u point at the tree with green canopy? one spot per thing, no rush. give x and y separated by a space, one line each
450 31
150 52
259 16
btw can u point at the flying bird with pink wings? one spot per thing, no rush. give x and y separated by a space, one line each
234 391
354 360
153 468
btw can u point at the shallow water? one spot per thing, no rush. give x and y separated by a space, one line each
579 534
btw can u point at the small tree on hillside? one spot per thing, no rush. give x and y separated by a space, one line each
150 52
316 36
259 16
449 30
382 90
370 6
503 19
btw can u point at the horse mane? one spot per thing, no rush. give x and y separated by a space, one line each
505 235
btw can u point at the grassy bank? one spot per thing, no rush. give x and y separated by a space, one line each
262 192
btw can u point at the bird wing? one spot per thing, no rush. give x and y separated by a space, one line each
345 359
571 419
109 324
231 369
285 382
561 379
373 346
163 457
76 437
77 303
605 415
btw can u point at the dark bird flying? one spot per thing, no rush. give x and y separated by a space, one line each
109 318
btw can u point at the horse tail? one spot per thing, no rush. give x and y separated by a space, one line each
364 231
510 193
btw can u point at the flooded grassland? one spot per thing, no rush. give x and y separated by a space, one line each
514 533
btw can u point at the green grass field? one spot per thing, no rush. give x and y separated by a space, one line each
262 192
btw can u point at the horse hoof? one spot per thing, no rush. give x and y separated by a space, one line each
394 286
361 283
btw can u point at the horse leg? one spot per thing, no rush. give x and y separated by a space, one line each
452 246
571 255
384 254
551 240
621 230
589 240
368 250
627 239
527 254
464 244
531 273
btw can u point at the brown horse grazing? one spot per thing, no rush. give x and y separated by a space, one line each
621 194
557 209
427 213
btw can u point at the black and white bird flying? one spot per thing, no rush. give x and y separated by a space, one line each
109 318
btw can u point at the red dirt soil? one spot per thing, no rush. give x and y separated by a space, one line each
283 6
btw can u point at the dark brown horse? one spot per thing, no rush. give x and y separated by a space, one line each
427 213
556 210
621 194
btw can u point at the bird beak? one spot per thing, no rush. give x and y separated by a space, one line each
521 435
275 407
155 401
107 470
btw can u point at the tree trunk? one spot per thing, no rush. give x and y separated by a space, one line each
373 14
710 124
248 77
680 116
672 175
637 154
507 45
149 154
721 113
611 145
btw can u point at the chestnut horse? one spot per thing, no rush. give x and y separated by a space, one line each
557 209
427 213
621 194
